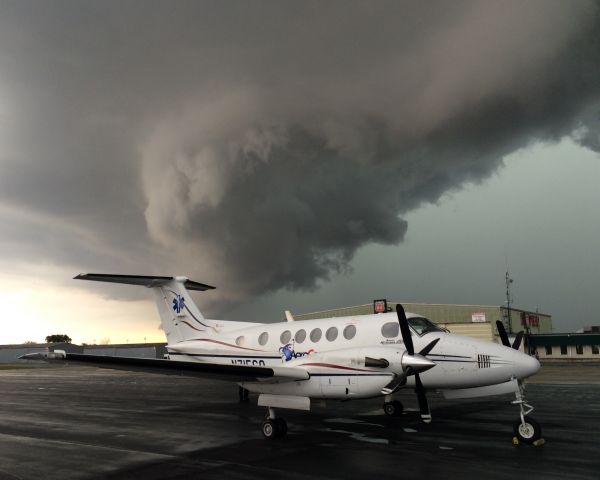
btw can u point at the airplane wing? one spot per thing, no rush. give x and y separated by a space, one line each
233 373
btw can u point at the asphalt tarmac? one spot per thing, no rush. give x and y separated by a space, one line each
83 423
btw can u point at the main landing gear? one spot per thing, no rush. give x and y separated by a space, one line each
393 408
526 429
273 427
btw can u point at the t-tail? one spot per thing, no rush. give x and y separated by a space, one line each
180 318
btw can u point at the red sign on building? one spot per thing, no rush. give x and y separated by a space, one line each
530 320
380 306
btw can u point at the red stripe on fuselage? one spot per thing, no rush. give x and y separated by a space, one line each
331 365
224 343
191 326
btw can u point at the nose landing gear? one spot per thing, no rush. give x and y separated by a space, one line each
526 429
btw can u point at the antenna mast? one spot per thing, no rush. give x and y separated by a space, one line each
508 301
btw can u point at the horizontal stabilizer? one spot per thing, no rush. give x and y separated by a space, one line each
236 373
142 280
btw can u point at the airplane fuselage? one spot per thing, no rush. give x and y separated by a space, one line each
333 352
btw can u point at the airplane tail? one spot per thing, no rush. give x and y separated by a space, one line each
180 318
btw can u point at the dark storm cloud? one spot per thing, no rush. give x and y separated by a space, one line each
258 145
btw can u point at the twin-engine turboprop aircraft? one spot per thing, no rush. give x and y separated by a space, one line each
293 363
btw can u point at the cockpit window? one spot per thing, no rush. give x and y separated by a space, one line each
422 325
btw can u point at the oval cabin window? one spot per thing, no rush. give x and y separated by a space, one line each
286 337
315 335
349 332
263 338
300 336
390 329
331 334
239 341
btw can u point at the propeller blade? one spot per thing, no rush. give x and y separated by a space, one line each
429 347
502 333
405 330
392 387
517 343
422 398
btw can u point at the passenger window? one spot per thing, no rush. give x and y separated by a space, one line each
315 335
349 332
286 336
300 336
331 334
390 329
263 338
239 341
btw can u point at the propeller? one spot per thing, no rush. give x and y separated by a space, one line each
429 347
504 337
412 364
517 343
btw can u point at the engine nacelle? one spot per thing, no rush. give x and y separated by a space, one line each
384 358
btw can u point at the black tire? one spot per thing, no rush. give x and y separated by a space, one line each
281 427
270 429
393 409
528 432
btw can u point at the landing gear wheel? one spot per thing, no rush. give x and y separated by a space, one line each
270 429
393 409
528 431
281 427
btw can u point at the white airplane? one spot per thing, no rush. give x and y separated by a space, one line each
291 364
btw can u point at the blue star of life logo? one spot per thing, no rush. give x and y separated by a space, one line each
178 303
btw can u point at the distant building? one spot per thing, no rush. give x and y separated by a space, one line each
591 329
566 346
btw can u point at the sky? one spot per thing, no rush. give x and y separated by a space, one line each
300 155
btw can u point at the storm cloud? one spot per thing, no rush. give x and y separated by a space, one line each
258 145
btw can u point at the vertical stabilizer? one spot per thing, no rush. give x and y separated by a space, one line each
180 317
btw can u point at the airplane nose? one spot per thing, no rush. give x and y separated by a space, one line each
525 365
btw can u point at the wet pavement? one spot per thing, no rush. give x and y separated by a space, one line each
82 423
